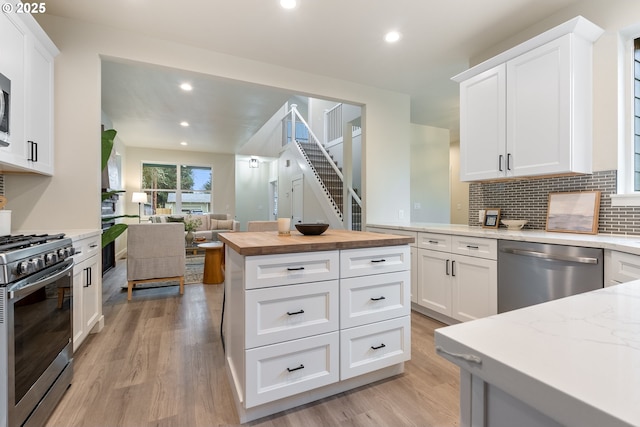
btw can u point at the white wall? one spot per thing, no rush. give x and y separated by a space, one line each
252 194
430 174
71 198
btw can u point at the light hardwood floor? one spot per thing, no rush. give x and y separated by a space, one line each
159 362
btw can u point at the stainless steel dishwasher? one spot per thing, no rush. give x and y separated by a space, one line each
532 273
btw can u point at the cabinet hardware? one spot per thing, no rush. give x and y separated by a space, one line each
95 245
453 268
433 242
290 313
378 260
88 273
468 357
508 161
296 369
378 299
378 347
33 151
295 268
446 268
472 247
500 158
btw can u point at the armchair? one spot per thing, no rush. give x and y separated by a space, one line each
155 252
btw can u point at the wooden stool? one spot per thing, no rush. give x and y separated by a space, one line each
213 259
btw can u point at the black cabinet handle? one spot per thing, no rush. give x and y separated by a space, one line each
446 268
88 273
33 151
472 247
295 268
453 268
433 242
508 161
378 260
290 313
378 299
296 369
500 157
378 347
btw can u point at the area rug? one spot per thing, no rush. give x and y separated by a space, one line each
193 274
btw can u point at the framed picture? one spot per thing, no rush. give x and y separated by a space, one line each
575 212
491 218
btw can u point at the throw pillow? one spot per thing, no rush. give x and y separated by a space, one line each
213 224
226 224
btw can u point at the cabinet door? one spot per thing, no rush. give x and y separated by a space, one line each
434 287
621 267
474 288
13 39
482 125
91 293
539 110
79 330
39 130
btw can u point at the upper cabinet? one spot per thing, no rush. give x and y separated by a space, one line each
26 59
527 111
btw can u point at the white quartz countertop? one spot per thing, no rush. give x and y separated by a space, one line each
576 359
629 244
74 234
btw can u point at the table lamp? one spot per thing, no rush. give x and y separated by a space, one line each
139 198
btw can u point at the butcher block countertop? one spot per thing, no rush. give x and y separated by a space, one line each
269 242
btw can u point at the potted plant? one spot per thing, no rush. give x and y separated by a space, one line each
191 225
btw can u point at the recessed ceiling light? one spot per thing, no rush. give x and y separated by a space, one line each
184 124
288 4
392 37
186 86
184 143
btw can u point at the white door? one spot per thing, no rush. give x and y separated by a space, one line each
434 288
475 288
539 114
296 200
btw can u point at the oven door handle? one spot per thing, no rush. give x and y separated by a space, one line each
61 270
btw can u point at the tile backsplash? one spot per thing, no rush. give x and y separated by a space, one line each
528 198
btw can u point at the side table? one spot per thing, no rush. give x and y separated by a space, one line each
213 256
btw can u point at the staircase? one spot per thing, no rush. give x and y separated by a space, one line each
331 182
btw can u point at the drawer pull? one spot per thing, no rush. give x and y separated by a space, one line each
295 312
433 242
378 260
472 247
378 347
295 268
296 369
378 299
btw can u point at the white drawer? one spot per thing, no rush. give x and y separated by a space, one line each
385 259
623 267
434 241
86 247
371 347
292 367
290 312
370 299
475 246
288 269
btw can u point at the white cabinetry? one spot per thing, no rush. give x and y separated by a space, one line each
527 111
457 276
87 288
26 58
301 326
620 267
414 255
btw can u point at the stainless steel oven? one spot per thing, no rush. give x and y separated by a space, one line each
36 326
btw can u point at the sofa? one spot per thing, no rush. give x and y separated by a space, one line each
211 224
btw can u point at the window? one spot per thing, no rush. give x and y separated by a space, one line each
176 189
636 115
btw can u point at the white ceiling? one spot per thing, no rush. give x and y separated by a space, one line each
342 39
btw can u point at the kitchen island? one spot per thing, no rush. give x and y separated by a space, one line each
307 317
569 362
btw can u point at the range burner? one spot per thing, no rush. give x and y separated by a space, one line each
18 241
23 255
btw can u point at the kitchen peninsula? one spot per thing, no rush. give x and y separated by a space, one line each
569 362
307 317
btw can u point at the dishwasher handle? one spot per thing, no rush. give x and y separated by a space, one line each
550 257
